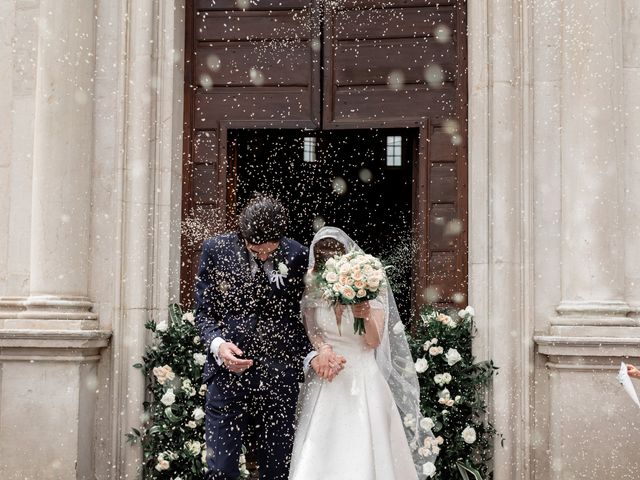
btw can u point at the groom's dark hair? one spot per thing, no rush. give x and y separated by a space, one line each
262 220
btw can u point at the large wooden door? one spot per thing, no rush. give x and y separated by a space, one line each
391 64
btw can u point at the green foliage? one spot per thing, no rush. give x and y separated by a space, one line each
457 402
172 435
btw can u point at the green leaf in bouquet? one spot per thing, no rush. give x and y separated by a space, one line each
175 313
465 470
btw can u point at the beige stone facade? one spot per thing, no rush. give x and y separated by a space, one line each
90 192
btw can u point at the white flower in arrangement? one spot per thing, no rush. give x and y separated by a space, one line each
426 423
429 469
188 317
439 440
422 365
469 435
193 447
197 340
413 445
331 277
398 328
198 414
187 387
162 464
199 358
168 398
442 378
163 374
444 319
203 456
445 398
457 398
244 471
283 269
191 424
163 326
467 312
452 356
433 351
203 390
426 345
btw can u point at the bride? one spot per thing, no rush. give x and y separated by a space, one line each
365 423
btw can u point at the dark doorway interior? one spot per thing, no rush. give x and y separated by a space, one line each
358 180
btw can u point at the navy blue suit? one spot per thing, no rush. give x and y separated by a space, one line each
264 322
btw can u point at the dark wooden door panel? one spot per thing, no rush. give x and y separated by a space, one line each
385 64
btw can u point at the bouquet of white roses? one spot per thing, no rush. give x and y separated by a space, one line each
350 279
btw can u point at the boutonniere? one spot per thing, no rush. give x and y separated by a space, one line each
278 276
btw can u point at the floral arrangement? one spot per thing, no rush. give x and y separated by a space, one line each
452 392
172 435
351 278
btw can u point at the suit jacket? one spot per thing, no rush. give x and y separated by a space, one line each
263 321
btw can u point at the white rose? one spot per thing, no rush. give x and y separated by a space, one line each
452 356
193 447
163 374
198 413
163 326
188 317
462 313
162 464
203 457
345 269
191 424
426 423
203 390
196 340
373 284
438 379
349 293
331 277
429 469
168 398
398 328
283 269
199 358
433 351
426 345
434 341
361 293
470 311
446 377
424 451
469 435
188 388
421 365
439 440
442 318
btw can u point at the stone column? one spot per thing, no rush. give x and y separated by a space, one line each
63 150
50 345
592 242
631 72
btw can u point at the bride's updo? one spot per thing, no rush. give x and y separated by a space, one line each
324 249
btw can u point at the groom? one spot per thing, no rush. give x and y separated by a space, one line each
248 293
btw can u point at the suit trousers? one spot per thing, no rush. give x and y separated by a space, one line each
271 409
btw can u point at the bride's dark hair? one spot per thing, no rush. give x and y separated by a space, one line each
324 249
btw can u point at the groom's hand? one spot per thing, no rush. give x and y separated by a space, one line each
229 353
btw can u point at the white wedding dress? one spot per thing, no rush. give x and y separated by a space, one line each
350 428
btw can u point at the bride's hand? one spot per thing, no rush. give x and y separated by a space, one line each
361 310
327 364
